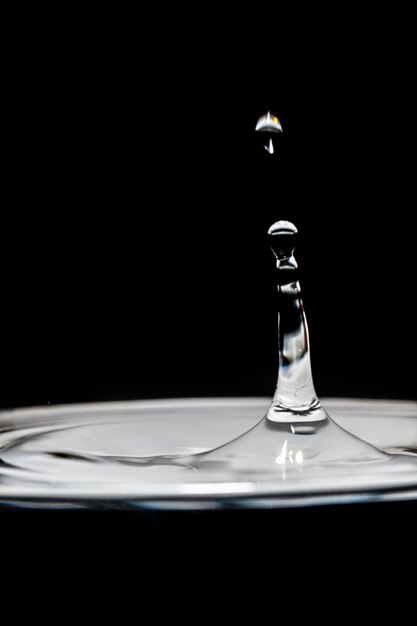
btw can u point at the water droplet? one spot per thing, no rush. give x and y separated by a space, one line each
269 123
282 239
269 128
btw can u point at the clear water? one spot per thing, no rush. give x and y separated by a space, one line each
269 129
217 452
128 452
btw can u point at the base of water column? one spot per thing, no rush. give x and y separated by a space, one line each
132 454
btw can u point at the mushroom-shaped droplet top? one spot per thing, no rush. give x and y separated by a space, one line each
268 123
282 238
283 227
270 128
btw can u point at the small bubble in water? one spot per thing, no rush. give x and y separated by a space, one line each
269 127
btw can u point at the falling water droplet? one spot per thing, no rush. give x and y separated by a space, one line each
269 128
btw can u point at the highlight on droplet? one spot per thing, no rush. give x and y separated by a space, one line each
268 123
270 128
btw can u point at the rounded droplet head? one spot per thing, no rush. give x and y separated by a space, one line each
268 123
283 238
269 128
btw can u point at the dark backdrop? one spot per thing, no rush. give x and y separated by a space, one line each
134 264
133 250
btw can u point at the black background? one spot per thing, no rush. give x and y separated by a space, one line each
134 255
135 263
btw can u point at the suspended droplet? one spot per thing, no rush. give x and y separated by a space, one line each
282 239
269 122
270 129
